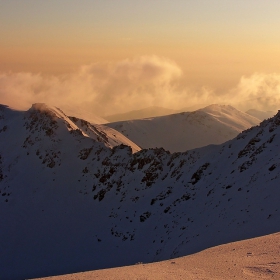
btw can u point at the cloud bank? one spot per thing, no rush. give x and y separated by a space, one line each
104 88
258 91
109 88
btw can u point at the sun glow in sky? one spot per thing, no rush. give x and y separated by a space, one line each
197 52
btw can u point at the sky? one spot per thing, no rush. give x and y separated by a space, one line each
114 56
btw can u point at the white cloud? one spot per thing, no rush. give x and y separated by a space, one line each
108 88
104 88
258 91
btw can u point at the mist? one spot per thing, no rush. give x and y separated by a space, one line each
109 88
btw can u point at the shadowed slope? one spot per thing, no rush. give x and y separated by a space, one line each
69 203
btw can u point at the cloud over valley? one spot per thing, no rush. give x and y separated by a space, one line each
108 88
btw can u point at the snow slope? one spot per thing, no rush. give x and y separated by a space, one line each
69 203
105 134
98 132
254 258
214 124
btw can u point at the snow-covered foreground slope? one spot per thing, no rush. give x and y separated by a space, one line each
214 124
69 203
256 258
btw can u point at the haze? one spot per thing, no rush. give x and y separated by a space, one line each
114 56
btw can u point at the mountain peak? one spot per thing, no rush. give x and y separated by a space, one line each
219 108
3 106
43 107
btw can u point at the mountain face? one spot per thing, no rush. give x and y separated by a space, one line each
69 203
153 111
101 133
261 115
214 124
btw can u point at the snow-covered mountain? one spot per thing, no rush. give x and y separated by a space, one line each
104 134
98 132
213 124
69 203
153 111
261 115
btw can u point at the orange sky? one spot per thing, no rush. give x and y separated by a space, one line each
214 42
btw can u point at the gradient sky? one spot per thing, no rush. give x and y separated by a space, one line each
213 42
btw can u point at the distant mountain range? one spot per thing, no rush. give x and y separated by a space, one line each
155 111
71 201
82 113
152 111
213 124
262 115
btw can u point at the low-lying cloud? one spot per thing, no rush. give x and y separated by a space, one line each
109 88
102 87
259 91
